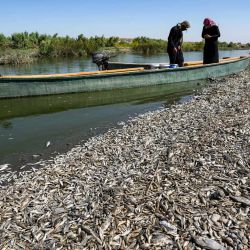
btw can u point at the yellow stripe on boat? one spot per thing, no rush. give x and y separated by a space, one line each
77 73
199 63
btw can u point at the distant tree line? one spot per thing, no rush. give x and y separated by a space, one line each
54 45
148 45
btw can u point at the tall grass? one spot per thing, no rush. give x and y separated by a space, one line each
54 45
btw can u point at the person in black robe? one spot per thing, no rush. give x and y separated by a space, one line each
175 40
210 33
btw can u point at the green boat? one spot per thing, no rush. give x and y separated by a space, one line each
119 76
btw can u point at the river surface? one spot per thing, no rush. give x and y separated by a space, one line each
85 64
38 128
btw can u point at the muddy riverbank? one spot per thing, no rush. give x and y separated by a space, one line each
176 178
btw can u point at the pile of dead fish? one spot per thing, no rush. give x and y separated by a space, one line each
176 178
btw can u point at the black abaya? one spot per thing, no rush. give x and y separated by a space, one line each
211 54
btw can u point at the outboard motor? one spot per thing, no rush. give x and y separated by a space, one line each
101 60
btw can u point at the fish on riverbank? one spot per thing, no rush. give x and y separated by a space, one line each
176 178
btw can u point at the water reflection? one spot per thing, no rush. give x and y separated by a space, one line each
65 120
20 107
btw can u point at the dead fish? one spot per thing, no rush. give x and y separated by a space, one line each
4 166
207 243
59 210
25 203
106 224
91 232
121 123
215 217
240 199
161 240
126 232
36 156
168 226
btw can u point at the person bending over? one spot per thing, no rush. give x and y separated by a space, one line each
175 40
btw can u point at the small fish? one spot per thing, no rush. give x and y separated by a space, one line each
240 199
121 123
25 203
36 156
168 226
4 166
207 243
48 144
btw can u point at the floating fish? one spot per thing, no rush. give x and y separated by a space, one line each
4 167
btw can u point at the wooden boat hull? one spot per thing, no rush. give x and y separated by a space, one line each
33 86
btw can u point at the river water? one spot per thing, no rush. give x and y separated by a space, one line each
38 128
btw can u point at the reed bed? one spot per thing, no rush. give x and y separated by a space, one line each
17 57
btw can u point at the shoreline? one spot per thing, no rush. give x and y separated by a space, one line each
177 177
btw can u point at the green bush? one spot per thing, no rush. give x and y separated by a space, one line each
147 46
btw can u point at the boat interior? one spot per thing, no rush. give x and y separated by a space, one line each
119 67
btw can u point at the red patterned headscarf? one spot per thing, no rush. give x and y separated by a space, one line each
208 22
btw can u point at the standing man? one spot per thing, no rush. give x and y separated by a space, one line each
175 40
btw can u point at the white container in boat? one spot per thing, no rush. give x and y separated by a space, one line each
164 66
173 66
154 65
